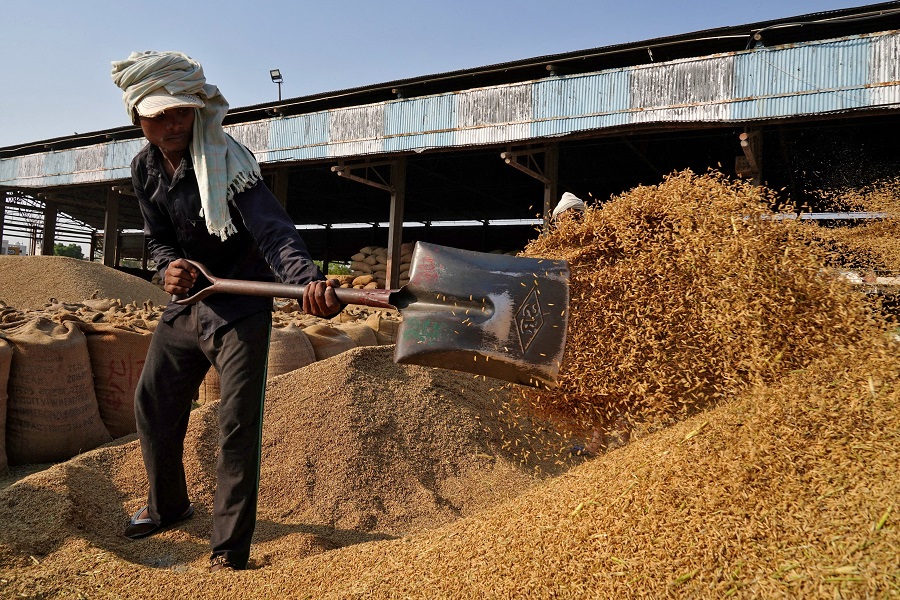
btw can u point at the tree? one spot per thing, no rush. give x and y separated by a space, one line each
72 250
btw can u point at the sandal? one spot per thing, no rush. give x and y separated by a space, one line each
141 528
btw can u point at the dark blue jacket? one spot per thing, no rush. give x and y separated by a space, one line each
266 243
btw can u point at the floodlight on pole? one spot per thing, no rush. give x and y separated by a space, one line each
276 78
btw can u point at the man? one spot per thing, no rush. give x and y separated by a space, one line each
202 198
569 205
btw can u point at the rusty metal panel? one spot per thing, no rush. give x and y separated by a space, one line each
686 90
494 115
89 164
356 130
255 135
884 70
30 170
118 155
577 103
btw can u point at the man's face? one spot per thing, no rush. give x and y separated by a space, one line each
170 131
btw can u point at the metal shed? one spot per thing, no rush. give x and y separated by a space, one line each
476 159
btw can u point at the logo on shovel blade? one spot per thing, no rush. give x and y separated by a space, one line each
529 319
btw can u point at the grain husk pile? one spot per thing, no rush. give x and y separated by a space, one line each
761 396
874 244
685 293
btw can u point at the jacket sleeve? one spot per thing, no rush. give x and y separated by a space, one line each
158 228
276 235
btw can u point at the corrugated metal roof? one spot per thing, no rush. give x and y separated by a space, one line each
846 74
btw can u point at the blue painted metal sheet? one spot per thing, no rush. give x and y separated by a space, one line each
580 103
807 79
302 137
420 124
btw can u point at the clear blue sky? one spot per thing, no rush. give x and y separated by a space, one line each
56 54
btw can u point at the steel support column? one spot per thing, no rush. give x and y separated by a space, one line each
111 229
548 174
50 212
395 223
280 184
395 185
750 164
2 212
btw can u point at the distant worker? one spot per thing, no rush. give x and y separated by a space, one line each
569 205
202 198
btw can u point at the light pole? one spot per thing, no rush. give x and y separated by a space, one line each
276 78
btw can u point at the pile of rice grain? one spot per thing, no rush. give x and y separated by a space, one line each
789 491
782 484
31 282
682 295
872 245
355 448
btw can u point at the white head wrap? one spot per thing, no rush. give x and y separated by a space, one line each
568 201
223 166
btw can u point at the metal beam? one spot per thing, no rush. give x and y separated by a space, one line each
50 213
395 227
531 167
548 174
111 229
395 185
346 171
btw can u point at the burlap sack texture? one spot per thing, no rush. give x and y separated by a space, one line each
52 411
5 361
117 359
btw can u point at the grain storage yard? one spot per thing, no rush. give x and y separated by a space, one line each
727 424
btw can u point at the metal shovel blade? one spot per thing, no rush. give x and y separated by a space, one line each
490 314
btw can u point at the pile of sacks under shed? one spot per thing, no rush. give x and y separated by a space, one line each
369 266
68 372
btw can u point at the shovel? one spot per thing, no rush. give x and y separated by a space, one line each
490 314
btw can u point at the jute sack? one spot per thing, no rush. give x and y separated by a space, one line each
6 353
363 280
289 350
362 334
385 329
210 390
117 359
328 341
52 412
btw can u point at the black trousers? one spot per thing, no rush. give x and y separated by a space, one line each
176 364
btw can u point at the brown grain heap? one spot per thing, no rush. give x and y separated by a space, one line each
382 481
682 295
31 282
872 245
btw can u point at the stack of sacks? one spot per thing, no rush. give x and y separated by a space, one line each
369 266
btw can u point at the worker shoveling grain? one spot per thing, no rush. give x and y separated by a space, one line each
787 487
